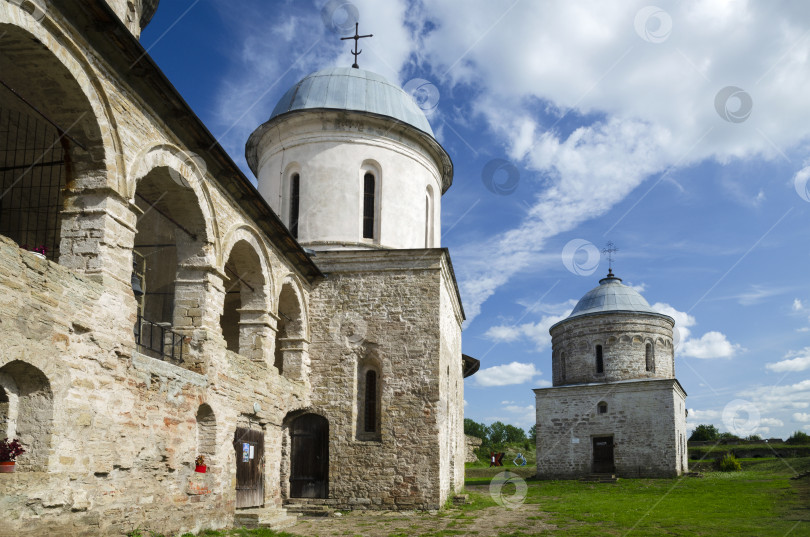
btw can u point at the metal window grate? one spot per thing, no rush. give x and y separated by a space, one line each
32 180
158 340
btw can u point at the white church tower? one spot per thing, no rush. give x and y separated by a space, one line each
350 164
348 160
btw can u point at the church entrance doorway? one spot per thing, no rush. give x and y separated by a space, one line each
309 457
603 455
249 446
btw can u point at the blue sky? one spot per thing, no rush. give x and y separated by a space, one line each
678 131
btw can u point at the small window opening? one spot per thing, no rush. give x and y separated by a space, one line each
600 365
648 356
295 198
562 366
602 407
371 402
368 206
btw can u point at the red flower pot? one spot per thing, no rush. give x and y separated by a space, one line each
7 467
200 468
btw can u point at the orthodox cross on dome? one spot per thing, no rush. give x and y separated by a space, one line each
609 250
356 37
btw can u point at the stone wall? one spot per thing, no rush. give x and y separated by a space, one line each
623 338
643 417
473 443
386 306
115 448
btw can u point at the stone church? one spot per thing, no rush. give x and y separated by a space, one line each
615 406
303 336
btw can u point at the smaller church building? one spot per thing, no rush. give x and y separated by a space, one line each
615 406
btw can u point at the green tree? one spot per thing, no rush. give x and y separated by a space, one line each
799 437
704 433
497 433
515 434
533 434
473 428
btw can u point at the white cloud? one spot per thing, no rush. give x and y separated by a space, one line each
683 321
507 374
770 422
797 305
709 345
535 332
793 361
803 417
640 288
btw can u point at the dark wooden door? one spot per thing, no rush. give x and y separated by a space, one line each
309 457
603 455
249 446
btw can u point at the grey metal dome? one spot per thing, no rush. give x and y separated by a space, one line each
611 295
346 88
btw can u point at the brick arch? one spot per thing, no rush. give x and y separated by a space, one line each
290 283
99 130
187 170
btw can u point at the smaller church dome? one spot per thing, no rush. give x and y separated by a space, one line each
346 88
611 295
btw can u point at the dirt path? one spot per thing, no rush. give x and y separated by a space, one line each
486 522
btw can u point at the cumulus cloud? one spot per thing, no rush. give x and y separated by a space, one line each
683 321
797 305
793 361
640 108
709 345
803 417
535 332
506 374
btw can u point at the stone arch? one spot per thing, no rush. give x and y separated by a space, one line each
48 35
174 252
187 170
245 321
30 412
292 342
317 429
206 433
60 147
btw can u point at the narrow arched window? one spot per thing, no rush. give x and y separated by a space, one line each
562 366
368 206
648 357
371 402
295 198
602 407
600 365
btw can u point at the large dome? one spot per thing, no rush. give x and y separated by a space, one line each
346 88
611 296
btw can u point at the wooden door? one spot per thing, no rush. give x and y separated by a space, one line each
249 446
603 455
309 457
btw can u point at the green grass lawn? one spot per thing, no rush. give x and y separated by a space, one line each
761 500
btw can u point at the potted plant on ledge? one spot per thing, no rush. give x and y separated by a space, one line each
9 451
200 462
